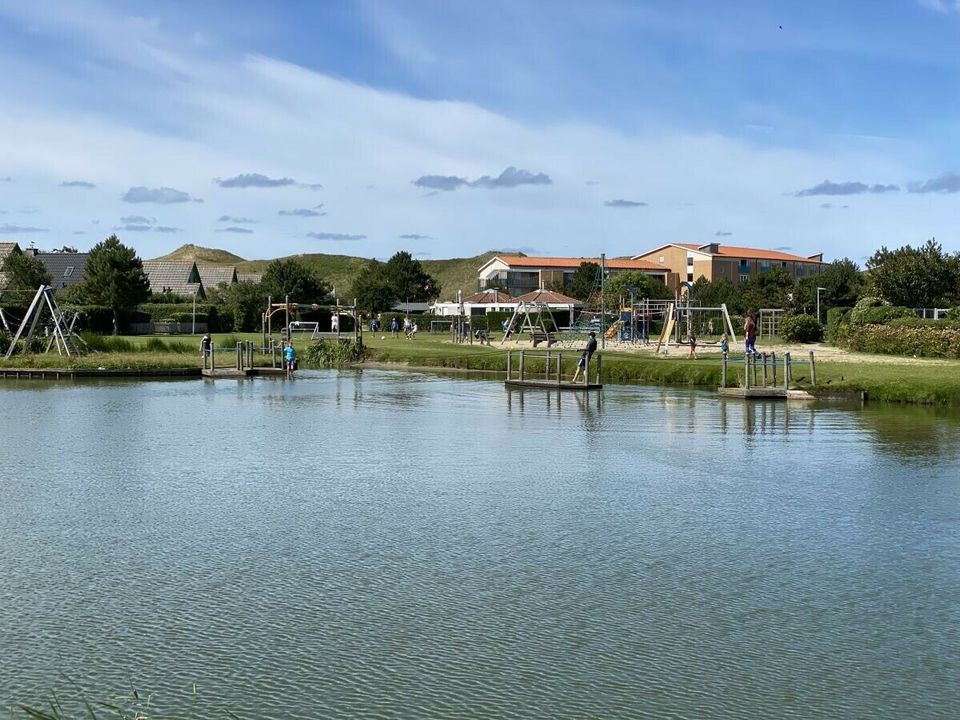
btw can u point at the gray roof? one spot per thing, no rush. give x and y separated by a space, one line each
250 277
213 275
5 249
179 278
66 269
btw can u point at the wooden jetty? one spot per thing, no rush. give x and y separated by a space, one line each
550 376
760 378
241 363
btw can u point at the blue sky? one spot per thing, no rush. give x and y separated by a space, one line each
450 128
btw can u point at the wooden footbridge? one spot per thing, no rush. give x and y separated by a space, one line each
760 381
544 369
237 362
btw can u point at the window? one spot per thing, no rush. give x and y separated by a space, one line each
68 272
764 266
662 261
744 278
689 261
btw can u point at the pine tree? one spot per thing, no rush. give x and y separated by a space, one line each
115 277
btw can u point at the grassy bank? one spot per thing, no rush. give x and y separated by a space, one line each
933 382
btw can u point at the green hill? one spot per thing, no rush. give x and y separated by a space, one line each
202 255
340 270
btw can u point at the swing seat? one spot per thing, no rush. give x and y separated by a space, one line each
539 337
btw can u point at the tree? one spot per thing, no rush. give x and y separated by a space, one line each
243 301
293 278
842 281
372 289
25 272
584 281
408 280
639 284
915 277
115 278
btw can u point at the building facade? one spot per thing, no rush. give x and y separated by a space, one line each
736 264
519 274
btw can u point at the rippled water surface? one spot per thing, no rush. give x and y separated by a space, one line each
386 544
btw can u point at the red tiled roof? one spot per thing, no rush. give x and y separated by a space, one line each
748 253
489 296
547 296
568 262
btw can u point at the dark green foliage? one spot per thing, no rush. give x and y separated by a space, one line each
115 278
837 317
408 280
584 281
642 285
915 277
290 277
842 281
878 315
372 289
924 341
333 353
25 273
240 306
801 328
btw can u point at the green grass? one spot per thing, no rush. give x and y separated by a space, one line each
934 382
202 255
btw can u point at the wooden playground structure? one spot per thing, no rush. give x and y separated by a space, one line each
759 380
331 331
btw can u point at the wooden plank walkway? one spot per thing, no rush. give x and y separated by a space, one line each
72 374
765 393
552 385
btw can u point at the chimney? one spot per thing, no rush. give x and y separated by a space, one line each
712 248
816 258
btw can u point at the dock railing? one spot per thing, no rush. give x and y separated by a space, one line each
760 370
548 367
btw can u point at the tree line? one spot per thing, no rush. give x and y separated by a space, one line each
114 278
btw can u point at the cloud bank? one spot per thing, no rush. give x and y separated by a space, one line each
948 183
624 203
511 177
78 184
258 180
236 220
161 196
17 229
845 188
301 212
237 230
342 237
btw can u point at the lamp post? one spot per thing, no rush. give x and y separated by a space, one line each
819 290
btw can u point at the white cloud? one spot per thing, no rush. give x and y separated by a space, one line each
236 113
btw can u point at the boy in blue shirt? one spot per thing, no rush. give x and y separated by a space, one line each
290 358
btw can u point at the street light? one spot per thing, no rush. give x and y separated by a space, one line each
819 290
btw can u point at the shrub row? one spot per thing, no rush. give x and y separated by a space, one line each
801 328
922 341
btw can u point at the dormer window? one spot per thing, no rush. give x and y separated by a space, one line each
68 272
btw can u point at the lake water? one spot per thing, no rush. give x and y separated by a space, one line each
393 544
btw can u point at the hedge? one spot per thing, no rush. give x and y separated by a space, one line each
878 315
837 319
924 341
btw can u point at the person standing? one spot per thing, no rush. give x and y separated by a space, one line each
205 345
750 333
591 346
335 322
394 327
290 358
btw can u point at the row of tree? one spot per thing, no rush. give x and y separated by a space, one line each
115 278
914 277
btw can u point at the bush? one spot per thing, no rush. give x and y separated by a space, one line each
333 353
801 328
836 318
878 315
916 341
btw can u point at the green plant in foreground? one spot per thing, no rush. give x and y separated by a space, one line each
333 353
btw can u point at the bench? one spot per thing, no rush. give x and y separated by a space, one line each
539 337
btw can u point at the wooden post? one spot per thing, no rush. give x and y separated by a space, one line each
754 370
509 362
213 357
559 368
723 373
599 368
546 368
239 356
773 357
521 364
746 371
813 369
764 370
786 370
